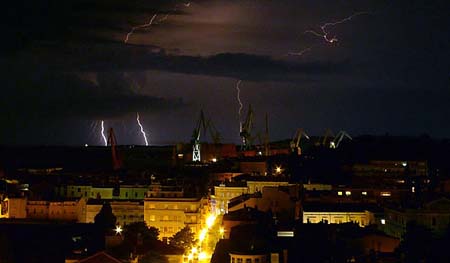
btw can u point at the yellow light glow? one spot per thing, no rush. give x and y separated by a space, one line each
202 235
118 230
221 230
202 256
210 220
190 256
194 250
278 169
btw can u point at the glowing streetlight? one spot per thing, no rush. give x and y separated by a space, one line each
210 220
278 169
118 230
202 256
202 235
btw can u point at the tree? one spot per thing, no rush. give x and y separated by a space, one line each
105 219
184 239
138 233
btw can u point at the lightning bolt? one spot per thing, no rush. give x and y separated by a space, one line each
142 128
138 27
103 133
324 34
133 29
238 97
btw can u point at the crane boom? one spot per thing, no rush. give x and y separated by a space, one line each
339 137
295 143
116 160
328 133
247 129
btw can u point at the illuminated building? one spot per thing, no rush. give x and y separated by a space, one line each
87 191
171 214
126 212
56 210
13 208
434 215
337 214
224 193
280 200
258 186
249 257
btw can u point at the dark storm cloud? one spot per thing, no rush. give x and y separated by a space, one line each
26 22
119 58
53 96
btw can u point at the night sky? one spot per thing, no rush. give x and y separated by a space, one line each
65 67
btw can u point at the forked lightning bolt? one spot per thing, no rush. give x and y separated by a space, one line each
138 27
152 20
325 34
103 133
142 128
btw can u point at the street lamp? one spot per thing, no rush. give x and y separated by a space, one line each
118 230
278 169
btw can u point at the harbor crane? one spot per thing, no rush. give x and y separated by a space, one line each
328 134
246 129
295 143
264 139
203 126
116 160
338 139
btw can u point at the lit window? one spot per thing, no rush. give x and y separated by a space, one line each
385 193
152 218
339 193
348 193
383 221
364 193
